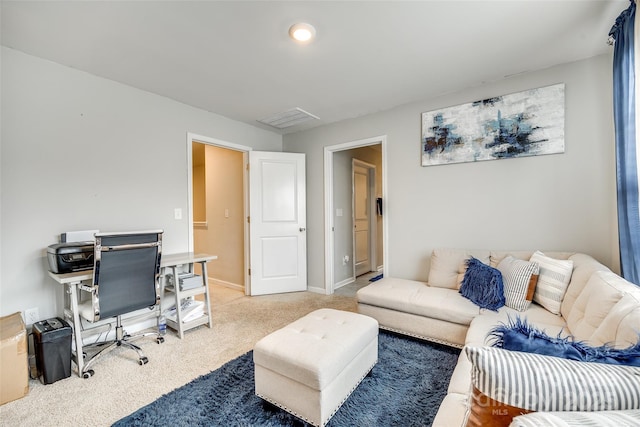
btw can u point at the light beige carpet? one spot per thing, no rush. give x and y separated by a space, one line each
120 386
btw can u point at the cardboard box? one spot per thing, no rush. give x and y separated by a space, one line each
14 372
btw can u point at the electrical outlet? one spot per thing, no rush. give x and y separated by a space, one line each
345 260
31 315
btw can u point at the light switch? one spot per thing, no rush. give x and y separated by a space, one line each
338 212
177 213
226 213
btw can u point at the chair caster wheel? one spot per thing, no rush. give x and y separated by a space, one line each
143 360
88 374
160 340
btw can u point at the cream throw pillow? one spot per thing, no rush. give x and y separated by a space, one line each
553 280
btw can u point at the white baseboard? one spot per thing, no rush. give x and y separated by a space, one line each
317 290
380 268
214 281
344 282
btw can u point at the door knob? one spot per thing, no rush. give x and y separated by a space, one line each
302 229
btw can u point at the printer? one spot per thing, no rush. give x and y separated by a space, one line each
70 256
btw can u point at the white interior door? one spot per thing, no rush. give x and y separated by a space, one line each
278 237
361 220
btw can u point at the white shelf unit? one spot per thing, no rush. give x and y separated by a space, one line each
174 265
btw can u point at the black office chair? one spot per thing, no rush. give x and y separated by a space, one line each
125 278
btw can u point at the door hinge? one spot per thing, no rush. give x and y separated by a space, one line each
249 272
248 165
249 220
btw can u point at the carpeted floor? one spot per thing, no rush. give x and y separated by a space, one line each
121 386
405 388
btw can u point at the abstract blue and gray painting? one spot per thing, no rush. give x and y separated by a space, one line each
527 123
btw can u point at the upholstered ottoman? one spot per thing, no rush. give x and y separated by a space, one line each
311 366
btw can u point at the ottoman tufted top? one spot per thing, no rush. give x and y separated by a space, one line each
314 349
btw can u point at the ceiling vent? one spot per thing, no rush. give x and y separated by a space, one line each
288 118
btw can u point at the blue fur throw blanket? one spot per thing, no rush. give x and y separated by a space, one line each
483 285
518 335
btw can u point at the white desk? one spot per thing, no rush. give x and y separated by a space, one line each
73 282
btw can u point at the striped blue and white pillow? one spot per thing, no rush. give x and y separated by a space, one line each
543 383
553 281
519 279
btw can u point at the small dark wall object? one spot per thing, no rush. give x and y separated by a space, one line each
379 205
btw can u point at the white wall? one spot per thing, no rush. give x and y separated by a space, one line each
554 202
82 152
343 225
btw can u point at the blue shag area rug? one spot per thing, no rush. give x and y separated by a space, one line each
405 388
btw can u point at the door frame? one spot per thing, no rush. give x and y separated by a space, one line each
191 138
328 204
371 199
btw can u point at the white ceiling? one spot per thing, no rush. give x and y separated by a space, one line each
235 58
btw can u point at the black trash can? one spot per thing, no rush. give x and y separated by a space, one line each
52 343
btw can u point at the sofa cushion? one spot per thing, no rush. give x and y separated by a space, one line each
534 382
596 300
629 417
583 268
535 314
553 280
482 325
447 266
519 279
621 325
413 297
483 285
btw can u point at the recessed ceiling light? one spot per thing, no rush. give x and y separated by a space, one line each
303 33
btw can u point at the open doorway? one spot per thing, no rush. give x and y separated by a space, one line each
218 211
348 252
218 208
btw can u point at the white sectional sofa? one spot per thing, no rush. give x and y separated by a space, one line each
599 307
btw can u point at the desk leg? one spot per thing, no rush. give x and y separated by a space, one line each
72 288
205 277
176 287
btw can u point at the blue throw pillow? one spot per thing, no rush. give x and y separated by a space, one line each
483 285
518 335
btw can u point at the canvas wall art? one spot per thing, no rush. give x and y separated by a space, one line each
527 123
